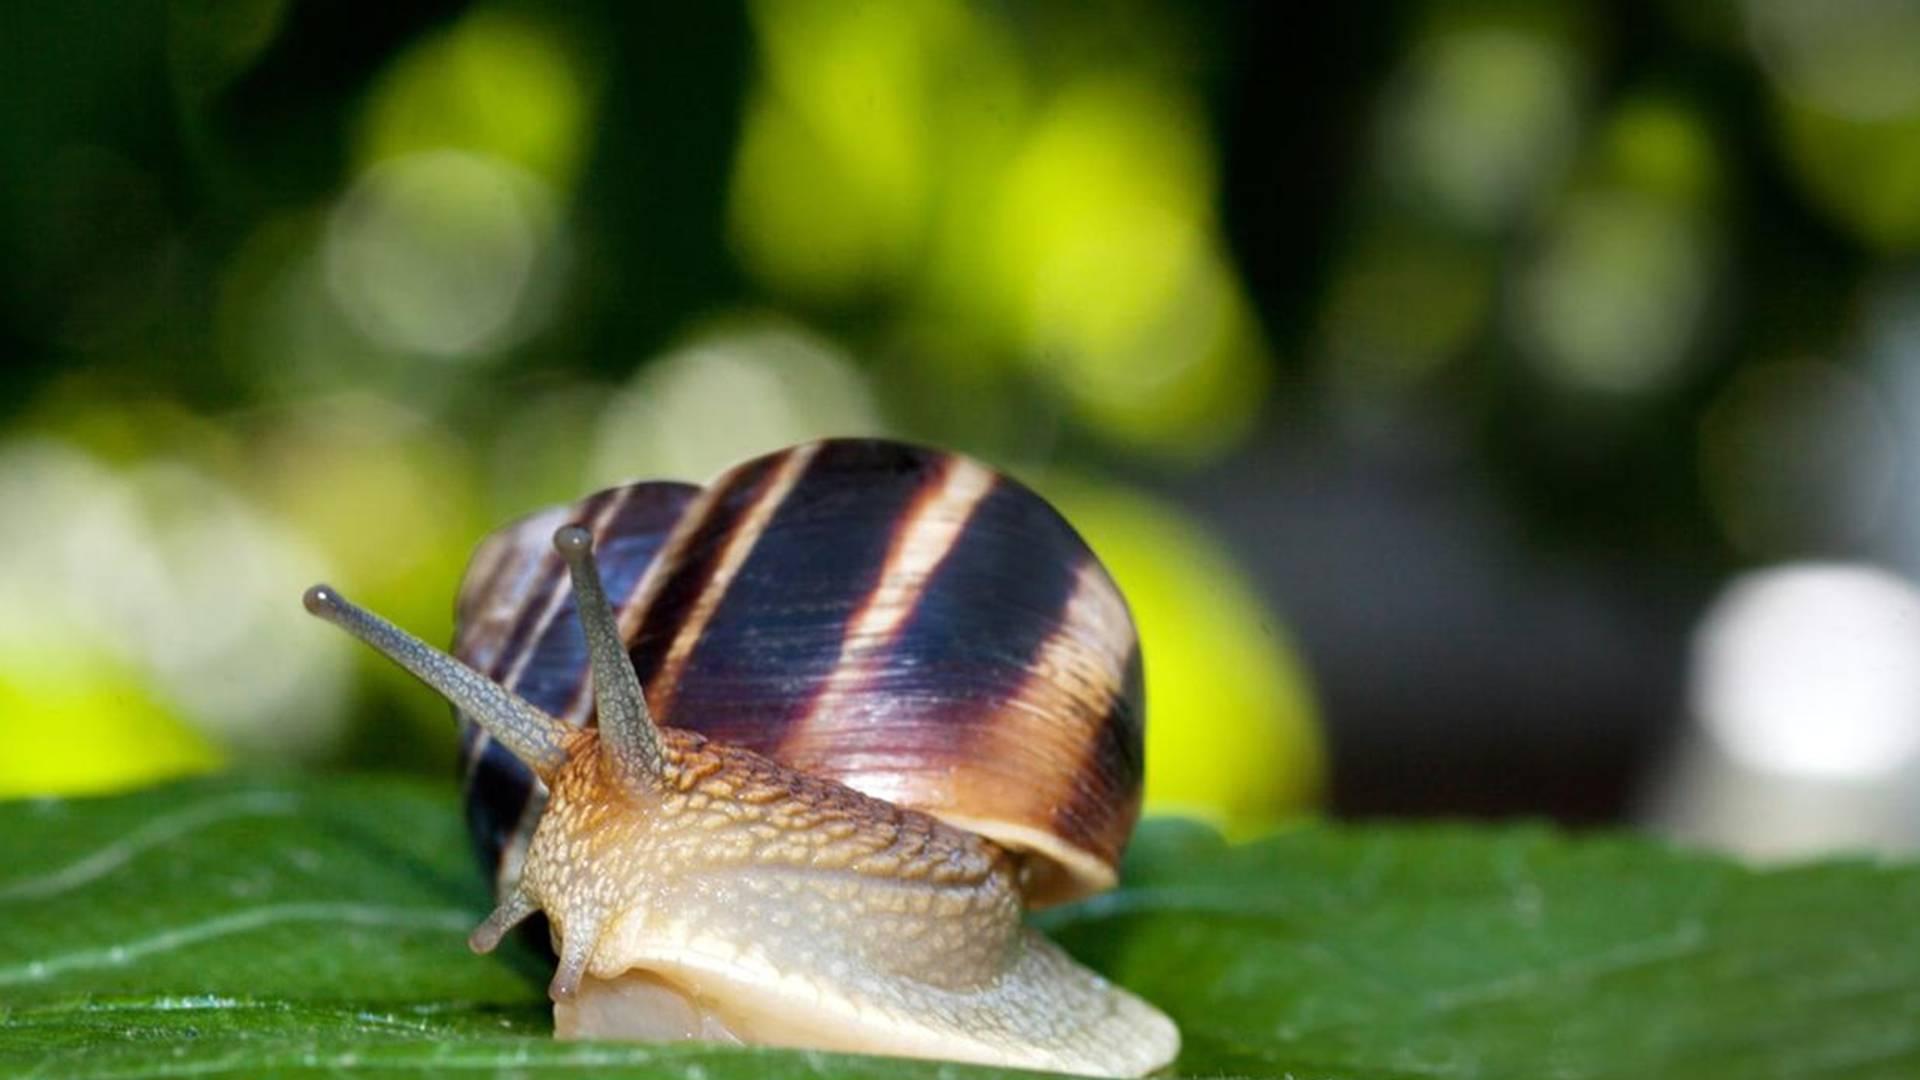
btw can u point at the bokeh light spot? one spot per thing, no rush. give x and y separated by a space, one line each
728 395
1858 59
1480 121
388 496
1847 82
1107 249
437 253
1662 148
498 84
798 220
831 185
1613 302
165 582
76 720
1865 174
384 491
1813 670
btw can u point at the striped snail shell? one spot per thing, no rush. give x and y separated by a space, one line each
785 759
902 620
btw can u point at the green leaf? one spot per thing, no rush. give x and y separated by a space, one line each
301 928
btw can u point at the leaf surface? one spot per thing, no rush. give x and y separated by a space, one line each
306 928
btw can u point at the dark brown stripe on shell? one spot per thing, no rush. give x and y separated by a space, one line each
776 637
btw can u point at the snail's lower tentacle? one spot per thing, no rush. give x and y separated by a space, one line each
577 943
511 912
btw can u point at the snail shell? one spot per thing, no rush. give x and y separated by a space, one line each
899 619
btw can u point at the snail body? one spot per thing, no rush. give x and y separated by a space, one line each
897 703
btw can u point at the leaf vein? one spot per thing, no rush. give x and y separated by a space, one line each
235 923
158 832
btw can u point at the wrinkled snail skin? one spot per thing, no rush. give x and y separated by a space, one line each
792 773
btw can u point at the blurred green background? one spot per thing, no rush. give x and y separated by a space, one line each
1433 375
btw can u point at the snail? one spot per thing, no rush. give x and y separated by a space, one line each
785 759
